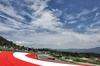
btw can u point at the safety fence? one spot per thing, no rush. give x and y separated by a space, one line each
12 50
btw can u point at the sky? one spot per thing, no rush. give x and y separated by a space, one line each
55 24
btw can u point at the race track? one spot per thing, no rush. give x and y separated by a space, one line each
26 59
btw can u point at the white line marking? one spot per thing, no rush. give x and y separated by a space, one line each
22 56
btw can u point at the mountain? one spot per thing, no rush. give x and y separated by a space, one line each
91 50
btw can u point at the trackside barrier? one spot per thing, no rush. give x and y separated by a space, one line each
12 50
9 50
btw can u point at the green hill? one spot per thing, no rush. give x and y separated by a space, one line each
5 42
9 44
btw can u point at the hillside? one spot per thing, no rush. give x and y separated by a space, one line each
5 42
9 44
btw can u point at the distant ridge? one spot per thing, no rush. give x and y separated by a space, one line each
91 50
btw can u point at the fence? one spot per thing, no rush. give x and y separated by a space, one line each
12 50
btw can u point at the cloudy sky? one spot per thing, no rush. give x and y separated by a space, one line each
57 24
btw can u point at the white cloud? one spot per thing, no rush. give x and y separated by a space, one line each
59 1
59 43
83 12
86 12
97 16
72 22
80 26
22 42
57 12
69 17
60 40
95 23
9 22
94 27
39 6
3 27
46 21
9 10
83 18
95 9
43 18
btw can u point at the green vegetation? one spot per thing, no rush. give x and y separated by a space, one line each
10 44
4 42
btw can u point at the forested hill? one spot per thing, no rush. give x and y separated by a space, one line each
5 42
9 44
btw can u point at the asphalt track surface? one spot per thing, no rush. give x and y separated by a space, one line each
46 56
26 59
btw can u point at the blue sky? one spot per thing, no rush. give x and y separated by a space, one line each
57 24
